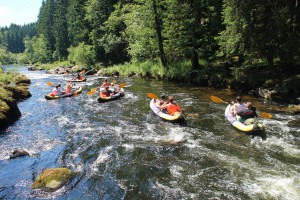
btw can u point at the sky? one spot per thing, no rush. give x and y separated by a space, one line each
19 11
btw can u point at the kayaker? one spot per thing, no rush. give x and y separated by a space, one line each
69 87
105 84
247 115
56 91
106 92
171 107
238 106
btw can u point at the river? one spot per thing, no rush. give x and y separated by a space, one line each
121 150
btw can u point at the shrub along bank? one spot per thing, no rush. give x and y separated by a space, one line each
279 83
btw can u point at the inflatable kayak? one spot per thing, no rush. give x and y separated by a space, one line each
156 110
257 126
76 80
111 98
50 97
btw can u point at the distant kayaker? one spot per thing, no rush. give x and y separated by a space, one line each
69 87
105 83
247 115
238 105
56 91
171 107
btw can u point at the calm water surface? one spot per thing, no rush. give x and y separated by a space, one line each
120 150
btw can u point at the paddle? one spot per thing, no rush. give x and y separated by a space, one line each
152 96
82 72
218 100
50 84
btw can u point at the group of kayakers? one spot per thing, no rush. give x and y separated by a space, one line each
108 89
244 112
168 106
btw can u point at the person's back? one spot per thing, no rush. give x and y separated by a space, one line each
106 92
238 106
69 87
171 107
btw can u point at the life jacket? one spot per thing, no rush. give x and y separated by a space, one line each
246 114
105 94
173 108
106 85
80 78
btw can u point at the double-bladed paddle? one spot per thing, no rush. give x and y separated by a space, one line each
218 100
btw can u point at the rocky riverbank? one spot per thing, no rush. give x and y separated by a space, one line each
13 88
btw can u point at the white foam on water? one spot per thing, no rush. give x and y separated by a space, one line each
128 146
276 187
176 171
63 120
103 157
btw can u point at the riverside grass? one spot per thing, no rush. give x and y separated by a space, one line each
179 70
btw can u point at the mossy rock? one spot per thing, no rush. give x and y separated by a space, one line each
19 92
53 179
294 109
22 79
294 123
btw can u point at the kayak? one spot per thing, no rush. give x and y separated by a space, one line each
76 80
156 110
257 126
111 98
50 97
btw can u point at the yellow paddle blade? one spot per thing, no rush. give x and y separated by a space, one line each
93 89
152 96
82 72
122 85
50 84
91 92
265 115
114 82
75 93
216 99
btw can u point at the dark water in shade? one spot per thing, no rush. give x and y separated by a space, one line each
120 150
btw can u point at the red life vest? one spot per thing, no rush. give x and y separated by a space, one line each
173 108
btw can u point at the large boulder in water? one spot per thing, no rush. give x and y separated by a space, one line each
294 109
53 179
18 153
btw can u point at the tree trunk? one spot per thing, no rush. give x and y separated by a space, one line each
159 36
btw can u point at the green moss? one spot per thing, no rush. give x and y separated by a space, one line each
52 179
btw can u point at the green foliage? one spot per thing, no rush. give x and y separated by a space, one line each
81 55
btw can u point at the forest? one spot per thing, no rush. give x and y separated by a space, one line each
205 42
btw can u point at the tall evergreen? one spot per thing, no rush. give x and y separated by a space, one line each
78 27
60 30
45 22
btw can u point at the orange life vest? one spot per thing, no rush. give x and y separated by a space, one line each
173 108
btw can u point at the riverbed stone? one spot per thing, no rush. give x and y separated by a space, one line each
18 92
9 112
53 179
294 109
18 153
294 123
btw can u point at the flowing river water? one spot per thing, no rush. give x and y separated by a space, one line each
121 150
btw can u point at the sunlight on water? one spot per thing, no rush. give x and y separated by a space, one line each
121 150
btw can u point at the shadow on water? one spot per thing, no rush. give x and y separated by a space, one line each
121 150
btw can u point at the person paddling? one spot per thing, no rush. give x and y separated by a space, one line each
56 91
69 87
171 107
238 106
247 115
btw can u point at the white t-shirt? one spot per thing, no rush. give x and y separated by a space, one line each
239 107
56 91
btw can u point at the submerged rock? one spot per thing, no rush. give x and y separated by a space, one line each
294 123
18 153
53 179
